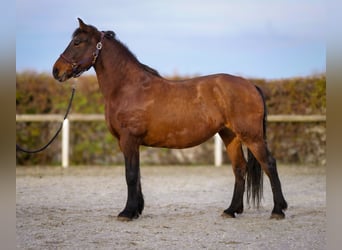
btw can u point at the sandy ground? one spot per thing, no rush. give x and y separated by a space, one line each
76 208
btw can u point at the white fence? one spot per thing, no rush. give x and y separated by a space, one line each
99 117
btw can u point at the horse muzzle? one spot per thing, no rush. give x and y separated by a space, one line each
61 77
62 71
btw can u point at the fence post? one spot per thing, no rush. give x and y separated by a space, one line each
218 150
65 143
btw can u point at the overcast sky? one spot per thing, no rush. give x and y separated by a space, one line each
265 38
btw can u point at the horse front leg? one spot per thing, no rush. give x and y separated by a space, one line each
135 200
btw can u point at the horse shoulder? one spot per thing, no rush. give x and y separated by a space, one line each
132 113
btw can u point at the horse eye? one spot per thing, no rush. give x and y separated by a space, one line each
77 42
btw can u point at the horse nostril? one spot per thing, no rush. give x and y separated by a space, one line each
55 72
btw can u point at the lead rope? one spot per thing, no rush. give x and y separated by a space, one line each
19 148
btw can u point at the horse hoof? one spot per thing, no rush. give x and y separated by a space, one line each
226 215
124 219
278 216
128 216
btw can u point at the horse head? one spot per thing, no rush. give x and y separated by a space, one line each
81 53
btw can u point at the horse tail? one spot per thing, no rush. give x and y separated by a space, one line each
254 172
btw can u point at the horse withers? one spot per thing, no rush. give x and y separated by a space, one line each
143 108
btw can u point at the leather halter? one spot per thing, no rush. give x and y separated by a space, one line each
75 65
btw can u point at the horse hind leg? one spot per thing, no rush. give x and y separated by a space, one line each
268 164
235 153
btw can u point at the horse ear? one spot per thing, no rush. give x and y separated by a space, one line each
82 24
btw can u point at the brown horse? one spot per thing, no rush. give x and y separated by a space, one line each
143 108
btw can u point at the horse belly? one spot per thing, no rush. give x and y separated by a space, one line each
181 134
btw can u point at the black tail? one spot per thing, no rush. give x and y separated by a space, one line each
254 171
254 180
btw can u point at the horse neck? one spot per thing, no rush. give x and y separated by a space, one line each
114 67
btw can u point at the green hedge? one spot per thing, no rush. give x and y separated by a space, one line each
92 144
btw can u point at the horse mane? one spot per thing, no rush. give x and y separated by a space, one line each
112 36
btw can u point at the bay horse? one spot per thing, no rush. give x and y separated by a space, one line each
143 108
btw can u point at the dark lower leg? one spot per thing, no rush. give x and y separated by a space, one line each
269 166
135 201
236 205
234 151
279 201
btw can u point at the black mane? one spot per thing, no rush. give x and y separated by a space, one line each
111 35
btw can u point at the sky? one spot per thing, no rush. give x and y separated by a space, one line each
265 39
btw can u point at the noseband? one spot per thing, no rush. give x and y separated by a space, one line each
75 65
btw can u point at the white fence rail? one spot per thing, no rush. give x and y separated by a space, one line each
100 117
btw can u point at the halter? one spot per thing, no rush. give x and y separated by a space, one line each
76 65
